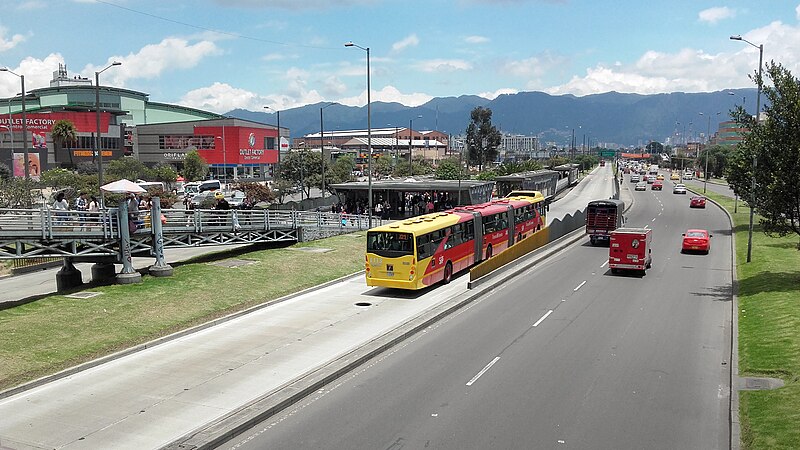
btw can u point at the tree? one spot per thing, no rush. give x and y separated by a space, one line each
128 168
717 159
655 148
64 134
448 169
482 138
86 168
382 166
5 172
770 154
194 167
341 171
303 169
18 193
256 192
163 172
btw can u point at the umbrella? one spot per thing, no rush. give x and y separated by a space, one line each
123 186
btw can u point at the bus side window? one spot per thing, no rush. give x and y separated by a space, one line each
469 231
423 247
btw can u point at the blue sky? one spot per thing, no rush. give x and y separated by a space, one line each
219 55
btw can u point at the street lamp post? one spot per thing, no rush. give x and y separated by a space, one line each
97 134
322 145
705 169
369 133
760 48
24 124
276 172
410 149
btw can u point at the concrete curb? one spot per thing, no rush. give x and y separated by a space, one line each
216 433
734 424
108 358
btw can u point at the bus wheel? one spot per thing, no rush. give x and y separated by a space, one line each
448 272
488 252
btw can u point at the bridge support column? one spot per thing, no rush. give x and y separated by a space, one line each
103 272
68 277
128 274
160 268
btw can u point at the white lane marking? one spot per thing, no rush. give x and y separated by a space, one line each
488 366
654 219
543 317
579 286
647 225
604 263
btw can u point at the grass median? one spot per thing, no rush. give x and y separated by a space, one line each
769 332
57 332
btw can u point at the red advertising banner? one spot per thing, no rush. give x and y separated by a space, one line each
242 145
41 123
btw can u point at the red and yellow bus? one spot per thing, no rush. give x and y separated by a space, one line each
418 252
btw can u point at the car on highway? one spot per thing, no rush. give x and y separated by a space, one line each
634 178
687 176
660 176
657 185
696 240
674 176
641 186
651 179
698 201
679 189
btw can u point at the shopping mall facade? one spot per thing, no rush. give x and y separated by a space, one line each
130 126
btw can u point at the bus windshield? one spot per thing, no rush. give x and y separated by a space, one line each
390 244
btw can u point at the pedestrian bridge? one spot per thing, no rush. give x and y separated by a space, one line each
111 236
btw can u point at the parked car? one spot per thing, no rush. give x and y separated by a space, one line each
641 186
209 185
679 189
698 201
203 200
696 240
657 185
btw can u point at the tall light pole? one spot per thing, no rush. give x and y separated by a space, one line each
24 124
322 145
369 132
224 159
278 164
97 134
705 170
760 48
410 149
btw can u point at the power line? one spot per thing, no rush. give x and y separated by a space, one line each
198 27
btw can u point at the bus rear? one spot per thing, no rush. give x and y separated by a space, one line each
390 259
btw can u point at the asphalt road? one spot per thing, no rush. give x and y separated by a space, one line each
564 356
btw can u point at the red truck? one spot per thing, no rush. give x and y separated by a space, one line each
629 249
603 217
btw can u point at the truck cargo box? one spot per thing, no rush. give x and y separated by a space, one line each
603 217
630 249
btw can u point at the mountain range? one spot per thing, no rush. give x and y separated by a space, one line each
610 118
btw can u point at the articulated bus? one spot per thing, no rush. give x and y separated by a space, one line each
418 252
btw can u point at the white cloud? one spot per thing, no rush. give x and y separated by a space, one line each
714 15
31 5
37 74
797 12
8 44
153 60
476 39
690 70
333 86
443 65
497 93
409 41
219 97
387 94
293 4
535 66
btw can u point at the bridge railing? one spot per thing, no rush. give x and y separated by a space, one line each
48 224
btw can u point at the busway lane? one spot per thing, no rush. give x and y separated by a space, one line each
621 362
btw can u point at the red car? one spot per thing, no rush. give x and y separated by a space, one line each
697 202
696 241
657 185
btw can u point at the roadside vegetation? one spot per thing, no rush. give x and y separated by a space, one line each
57 332
769 331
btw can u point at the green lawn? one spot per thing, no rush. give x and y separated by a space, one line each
769 332
51 334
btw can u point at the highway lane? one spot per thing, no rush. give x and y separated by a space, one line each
151 397
564 355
